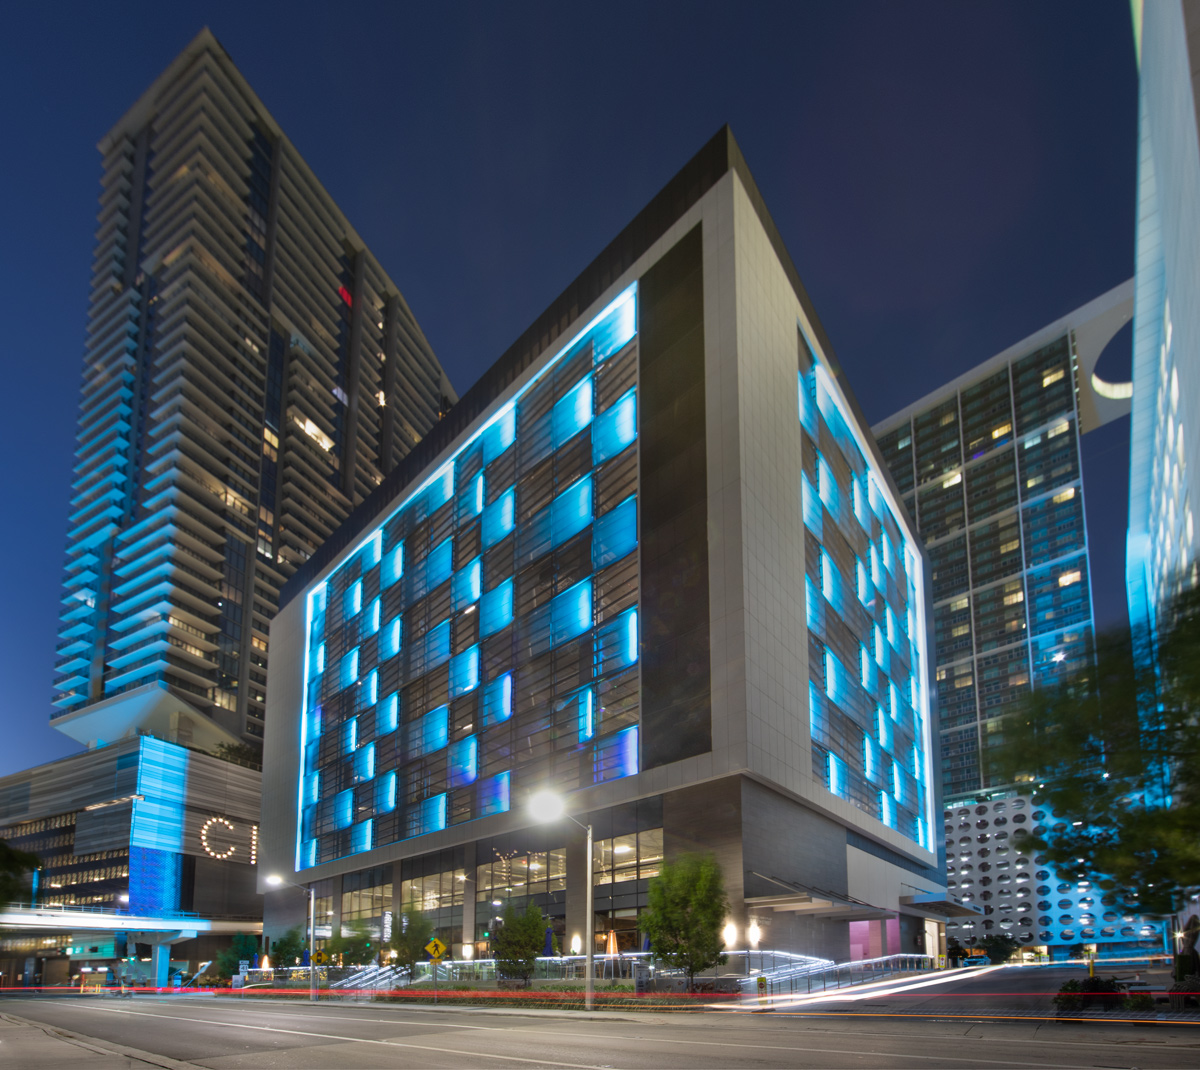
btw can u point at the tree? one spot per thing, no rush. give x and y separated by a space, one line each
518 942
15 867
1000 947
288 949
1113 753
409 940
243 947
357 949
685 912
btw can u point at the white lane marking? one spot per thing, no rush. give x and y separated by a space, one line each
351 1040
291 1011
793 1048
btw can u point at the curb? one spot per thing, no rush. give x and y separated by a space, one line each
100 1047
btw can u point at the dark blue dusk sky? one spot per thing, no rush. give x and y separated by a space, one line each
949 177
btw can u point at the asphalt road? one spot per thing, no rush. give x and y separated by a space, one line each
217 1033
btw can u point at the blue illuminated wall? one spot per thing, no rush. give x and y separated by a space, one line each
482 641
868 706
156 834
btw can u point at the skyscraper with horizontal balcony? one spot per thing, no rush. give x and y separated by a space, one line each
989 467
251 374
653 561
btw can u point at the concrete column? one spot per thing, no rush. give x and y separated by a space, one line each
160 964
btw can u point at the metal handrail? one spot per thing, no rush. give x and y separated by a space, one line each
837 975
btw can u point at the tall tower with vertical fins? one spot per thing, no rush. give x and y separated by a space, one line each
251 373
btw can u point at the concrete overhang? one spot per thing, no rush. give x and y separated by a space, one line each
940 905
147 710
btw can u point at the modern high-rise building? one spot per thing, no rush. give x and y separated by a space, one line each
653 561
251 375
989 466
989 469
1160 554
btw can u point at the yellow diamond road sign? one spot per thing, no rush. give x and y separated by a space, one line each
435 948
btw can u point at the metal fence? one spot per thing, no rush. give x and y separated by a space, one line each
800 981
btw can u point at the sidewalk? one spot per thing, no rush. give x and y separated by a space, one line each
32 1046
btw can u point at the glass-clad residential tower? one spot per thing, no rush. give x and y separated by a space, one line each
653 561
989 469
251 374
989 465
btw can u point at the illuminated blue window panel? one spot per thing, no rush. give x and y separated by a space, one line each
616 755
361 836
615 534
427 816
499 518
571 511
887 809
393 566
352 601
572 413
870 759
349 669
389 641
385 792
464 672
465 588
615 428
835 773
429 733
497 701
617 642
499 435
616 330
364 764
496 609
494 794
571 612
311 789
441 489
470 500
463 580
464 762
387 716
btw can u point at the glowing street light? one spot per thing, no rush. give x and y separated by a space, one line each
547 806
276 881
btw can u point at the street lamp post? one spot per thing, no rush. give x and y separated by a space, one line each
276 881
547 806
